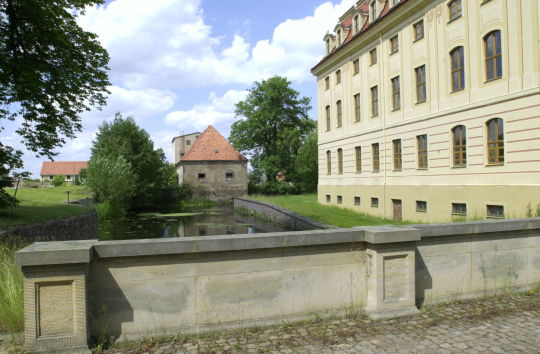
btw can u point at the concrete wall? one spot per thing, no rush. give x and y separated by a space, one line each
215 185
136 288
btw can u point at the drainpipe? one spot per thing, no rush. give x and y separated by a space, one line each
382 106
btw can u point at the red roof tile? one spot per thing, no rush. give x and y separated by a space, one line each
212 146
71 168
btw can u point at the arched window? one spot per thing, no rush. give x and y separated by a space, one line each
338 33
492 49
458 69
328 162
327 111
340 161
356 24
459 146
495 141
373 11
339 114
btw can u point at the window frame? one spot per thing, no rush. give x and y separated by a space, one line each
494 59
455 10
327 83
416 32
339 114
396 94
394 44
328 162
421 210
495 145
356 66
338 76
340 161
457 212
496 215
375 157
420 85
374 202
373 56
358 158
459 146
397 154
357 108
374 101
328 118
422 151
458 69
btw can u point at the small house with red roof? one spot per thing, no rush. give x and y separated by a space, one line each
69 169
210 165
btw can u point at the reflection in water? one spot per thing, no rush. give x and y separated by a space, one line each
215 221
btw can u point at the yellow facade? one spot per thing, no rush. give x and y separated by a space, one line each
500 171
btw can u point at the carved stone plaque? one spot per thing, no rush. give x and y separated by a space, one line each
56 308
396 277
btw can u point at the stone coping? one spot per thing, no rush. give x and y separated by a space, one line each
57 252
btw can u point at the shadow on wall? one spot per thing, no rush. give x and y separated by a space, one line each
423 280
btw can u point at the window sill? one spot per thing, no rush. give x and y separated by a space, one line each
458 214
375 171
392 53
420 102
371 64
421 211
458 90
396 109
484 2
464 166
397 170
454 19
356 121
418 39
421 168
377 116
494 79
494 217
374 206
494 164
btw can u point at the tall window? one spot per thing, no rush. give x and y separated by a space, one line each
421 143
419 30
394 44
454 9
458 69
328 46
328 162
327 82
459 146
356 24
420 84
373 10
373 56
495 143
397 154
396 95
338 77
492 47
357 107
327 118
375 156
356 66
338 34
339 114
374 101
358 158
340 161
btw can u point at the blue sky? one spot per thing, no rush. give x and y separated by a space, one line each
179 65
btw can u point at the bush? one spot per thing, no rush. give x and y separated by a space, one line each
7 200
280 188
106 211
58 180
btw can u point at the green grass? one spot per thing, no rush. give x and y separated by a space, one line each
11 292
307 205
40 204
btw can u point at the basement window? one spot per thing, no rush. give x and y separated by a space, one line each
201 176
229 176
421 206
495 211
459 209
328 198
374 202
356 200
339 199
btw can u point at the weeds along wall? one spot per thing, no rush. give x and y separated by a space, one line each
137 288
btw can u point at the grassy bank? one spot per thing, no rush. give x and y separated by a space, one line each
11 292
40 204
307 205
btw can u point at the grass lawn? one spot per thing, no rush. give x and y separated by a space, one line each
307 205
40 204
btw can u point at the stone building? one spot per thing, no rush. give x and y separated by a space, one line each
68 169
429 109
210 165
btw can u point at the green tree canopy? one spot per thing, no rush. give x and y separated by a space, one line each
306 164
123 137
274 126
51 71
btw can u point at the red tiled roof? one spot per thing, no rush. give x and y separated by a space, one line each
212 146
71 168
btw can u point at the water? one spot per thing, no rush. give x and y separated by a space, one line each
195 222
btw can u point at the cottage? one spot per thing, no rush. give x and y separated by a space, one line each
69 169
210 165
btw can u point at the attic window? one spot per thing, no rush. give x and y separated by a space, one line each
328 46
188 143
356 24
373 11
338 37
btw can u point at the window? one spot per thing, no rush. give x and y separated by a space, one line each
357 107
201 176
459 146
396 95
375 156
356 66
339 199
358 158
339 114
394 44
421 206
338 34
356 200
356 24
397 154
492 48
418 30
374 202
374 101
495 211
327 118
338 77
188 142
328 198
454 9
328 162
328 46
340 161
373 56
229 176
495 141
421 143
458 69
373 11
459 209
420 84
327 82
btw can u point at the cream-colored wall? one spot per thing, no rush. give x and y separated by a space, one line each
515 98
180 146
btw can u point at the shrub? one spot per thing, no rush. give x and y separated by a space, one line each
58 180
275 188
7 200
106 211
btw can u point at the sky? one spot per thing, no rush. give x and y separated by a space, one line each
179 65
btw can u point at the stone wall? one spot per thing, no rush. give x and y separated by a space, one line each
275 213
137 288
80 227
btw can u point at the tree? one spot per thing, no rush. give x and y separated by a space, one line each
306 164
151 171
58 180
51 71
275 124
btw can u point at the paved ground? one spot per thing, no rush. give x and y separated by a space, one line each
509 324
506 324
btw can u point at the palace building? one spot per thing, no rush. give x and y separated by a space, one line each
429 110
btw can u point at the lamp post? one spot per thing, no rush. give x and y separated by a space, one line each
67 196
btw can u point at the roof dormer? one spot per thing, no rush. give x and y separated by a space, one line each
329 42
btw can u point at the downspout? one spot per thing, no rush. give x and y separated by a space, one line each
382 102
